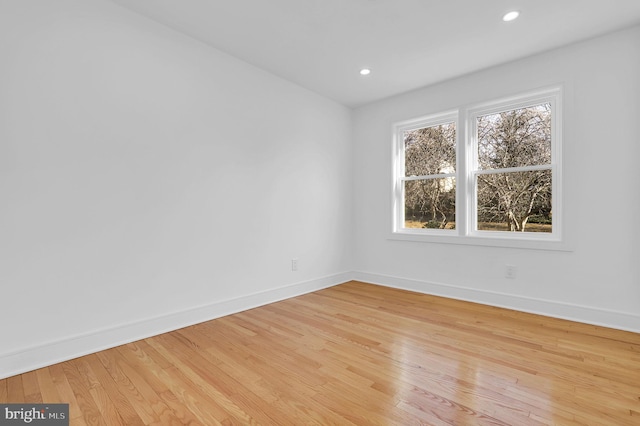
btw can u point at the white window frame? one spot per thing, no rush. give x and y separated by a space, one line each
400 129
467 171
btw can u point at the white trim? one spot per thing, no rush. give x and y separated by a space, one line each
578 313
467 171
45 354
512 170
398 170
520 240
553 96
430 120
42 355
530 98
427 177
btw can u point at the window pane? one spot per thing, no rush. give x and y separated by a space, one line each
516 201
430 150
430 203
516 138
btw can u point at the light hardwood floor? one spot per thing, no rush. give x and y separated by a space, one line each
355 354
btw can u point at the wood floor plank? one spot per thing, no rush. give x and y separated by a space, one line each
4 392
355 354
145 411
208 381
15 390
191 405
84 401
125 410
47 386
31 388
100 396
138 358
66 392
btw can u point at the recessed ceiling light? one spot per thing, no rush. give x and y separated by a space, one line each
365 71
510 16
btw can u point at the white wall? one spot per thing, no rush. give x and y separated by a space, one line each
599 280
148 181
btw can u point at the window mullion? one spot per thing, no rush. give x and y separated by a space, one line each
462 168
398 199
427 177
486 200
513 169
471 158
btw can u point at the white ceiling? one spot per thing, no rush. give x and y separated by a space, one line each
322 44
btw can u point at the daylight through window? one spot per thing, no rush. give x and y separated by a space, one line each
430 182
489 171
513 175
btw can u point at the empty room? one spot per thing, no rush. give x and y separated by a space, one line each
328 212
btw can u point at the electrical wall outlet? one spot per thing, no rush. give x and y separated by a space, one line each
294 265
510 271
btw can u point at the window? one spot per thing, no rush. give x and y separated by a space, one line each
485 174
428 172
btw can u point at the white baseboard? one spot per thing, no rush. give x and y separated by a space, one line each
584 314
43 355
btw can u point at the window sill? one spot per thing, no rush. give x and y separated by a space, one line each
489 240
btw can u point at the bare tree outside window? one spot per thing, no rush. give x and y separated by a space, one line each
430 158
514 182
484 174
